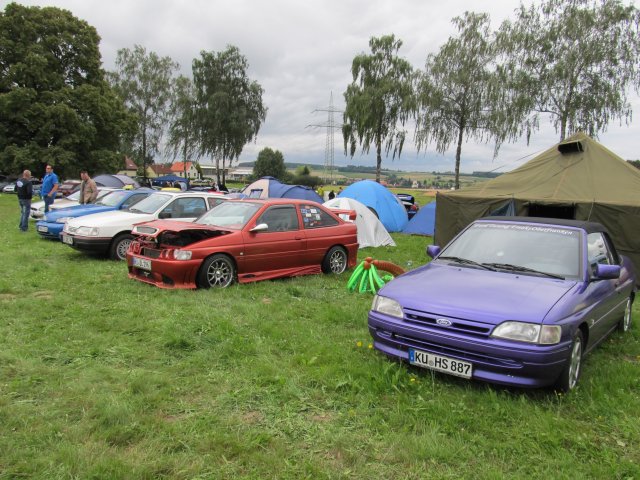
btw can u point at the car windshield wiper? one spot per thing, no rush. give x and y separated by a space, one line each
519 268
135 210
466 261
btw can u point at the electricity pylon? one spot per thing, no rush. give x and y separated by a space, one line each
329 145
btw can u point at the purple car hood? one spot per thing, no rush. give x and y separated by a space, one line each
476 294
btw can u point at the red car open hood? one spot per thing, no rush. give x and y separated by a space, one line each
156 227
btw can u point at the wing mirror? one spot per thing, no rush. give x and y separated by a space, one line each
163 215
607 272
433 251
261 227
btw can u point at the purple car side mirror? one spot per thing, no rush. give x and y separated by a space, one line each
607 272
433 250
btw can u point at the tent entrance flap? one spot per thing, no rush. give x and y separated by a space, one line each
508 209
566 211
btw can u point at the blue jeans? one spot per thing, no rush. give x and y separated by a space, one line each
25 208
48 201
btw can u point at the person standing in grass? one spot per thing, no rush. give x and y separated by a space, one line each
49 188
88 188
24 189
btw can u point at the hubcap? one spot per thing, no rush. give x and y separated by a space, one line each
219 274
574 366
123 246
337 262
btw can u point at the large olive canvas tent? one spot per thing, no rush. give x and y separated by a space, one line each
578 178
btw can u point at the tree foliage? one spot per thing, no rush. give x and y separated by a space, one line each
55 105
303 176
458 93
145 81
183 138
229 105
572 60
379 98
270 163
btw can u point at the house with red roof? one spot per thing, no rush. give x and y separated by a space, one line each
178 168
158 170
130 168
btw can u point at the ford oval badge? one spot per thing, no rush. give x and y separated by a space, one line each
443 321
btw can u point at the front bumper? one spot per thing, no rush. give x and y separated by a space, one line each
494 360
51 230
91 245
166 273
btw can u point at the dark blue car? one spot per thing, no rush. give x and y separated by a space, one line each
53 223
514 301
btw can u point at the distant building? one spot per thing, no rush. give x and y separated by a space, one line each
209 171
130 168
178 168
156 170
240 174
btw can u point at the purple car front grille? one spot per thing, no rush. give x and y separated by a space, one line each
404 342
454 325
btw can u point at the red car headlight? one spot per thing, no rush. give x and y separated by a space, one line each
182 254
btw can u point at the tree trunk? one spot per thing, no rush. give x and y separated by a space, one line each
184 160
378 160
458 152
563 127
218 172
144 157
224 177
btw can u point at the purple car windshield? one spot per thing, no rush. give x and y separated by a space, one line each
549 249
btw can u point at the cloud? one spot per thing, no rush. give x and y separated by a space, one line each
301 53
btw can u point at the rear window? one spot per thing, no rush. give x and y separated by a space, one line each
315 217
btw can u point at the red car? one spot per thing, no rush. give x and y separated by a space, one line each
245 241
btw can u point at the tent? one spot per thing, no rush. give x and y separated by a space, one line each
423 222
160 181
115 181
381 201
269 187
577 179
371 232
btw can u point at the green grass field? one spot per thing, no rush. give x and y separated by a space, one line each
104 377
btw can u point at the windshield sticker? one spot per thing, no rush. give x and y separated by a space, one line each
529 228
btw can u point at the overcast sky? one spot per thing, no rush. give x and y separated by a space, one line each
301 52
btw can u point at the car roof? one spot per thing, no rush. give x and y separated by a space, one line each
589 227
185 193
275 201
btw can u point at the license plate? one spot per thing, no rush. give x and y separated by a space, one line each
43 229
142 263
68 239
440 363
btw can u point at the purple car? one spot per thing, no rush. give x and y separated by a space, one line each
511 300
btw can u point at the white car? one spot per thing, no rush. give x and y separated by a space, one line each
110 232
37 208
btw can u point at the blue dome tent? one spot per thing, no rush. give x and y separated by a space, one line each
385 204
269 187
159 181
423 222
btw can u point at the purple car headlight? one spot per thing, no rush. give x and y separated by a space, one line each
528 332
387 306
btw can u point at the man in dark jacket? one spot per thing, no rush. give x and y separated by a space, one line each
24 189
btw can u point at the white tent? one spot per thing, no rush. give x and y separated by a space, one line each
371 232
